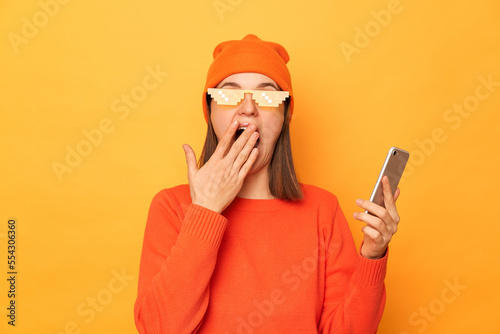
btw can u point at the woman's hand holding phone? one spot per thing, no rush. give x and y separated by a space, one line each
216 184
381 222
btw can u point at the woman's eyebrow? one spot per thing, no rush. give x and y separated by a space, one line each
267 84
229 83
261 85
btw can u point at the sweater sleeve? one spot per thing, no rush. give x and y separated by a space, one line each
354 285
178 258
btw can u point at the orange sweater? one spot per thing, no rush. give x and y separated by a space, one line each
262 266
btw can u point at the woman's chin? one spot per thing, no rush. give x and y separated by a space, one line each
259 163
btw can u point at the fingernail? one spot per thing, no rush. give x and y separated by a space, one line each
235 122
358 202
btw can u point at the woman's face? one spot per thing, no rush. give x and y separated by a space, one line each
269 120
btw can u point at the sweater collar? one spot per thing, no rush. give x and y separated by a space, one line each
259 205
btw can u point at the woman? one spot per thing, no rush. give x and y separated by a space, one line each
244 247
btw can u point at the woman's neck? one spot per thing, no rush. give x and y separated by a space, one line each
256 186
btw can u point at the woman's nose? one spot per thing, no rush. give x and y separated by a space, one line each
248 105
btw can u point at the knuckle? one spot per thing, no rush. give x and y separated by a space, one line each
381 226
237 144
386 216
222 143
232 176
241 157
376 225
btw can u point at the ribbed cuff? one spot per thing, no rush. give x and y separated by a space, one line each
372 272
204 224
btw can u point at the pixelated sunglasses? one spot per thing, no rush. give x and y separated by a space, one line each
264 98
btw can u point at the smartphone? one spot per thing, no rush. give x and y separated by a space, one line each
393 167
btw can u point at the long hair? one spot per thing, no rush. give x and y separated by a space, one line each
283 182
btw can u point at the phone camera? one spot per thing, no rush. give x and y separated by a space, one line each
394 153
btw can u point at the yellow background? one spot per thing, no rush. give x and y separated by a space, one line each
76 234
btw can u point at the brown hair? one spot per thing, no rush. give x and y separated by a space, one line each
283 182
